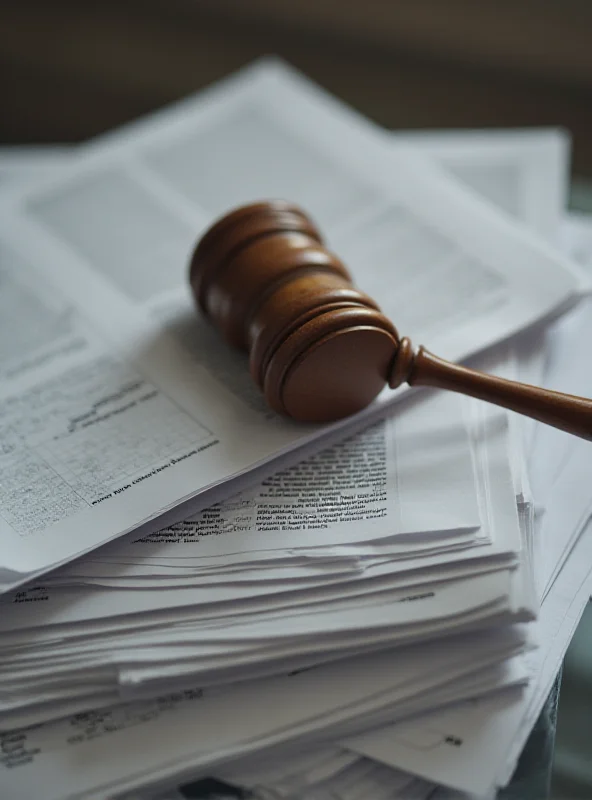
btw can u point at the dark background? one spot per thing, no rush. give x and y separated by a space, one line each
69 70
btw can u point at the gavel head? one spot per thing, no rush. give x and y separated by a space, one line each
318 347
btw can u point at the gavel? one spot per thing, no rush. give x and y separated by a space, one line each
319 348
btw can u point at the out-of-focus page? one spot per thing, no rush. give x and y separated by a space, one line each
26 162
576 237
135 207
151 408
523 171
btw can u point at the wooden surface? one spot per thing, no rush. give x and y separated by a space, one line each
70 70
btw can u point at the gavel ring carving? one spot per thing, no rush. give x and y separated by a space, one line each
319 348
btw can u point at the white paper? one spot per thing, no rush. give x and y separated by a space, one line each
367 789
73 756
371 201
496 733
523 171
576 237
26 162
294 625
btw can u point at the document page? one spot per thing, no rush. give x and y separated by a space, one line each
523 171
132 412
27 162
79 426
218 628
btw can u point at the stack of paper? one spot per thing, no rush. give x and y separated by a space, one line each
123 408
324 584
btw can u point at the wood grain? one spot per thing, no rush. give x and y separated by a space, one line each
319 348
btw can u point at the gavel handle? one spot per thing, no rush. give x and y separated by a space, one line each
564 411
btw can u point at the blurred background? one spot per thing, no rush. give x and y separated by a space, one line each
71 70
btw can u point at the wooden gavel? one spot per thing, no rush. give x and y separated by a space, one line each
318 347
